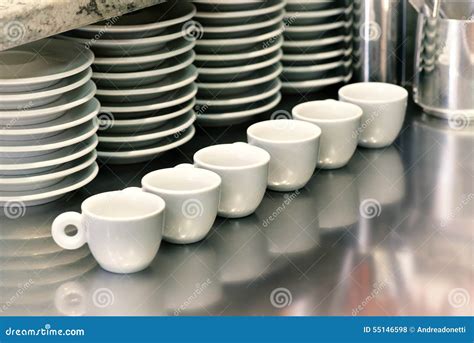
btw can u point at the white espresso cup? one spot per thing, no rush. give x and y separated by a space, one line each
294 148
243 169
384 106
339 122
122 228
192 198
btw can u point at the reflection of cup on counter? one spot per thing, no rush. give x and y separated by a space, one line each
335 196
190 273
289 221
241 248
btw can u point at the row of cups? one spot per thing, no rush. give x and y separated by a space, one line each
124 228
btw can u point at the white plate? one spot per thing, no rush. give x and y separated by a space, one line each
260 36
170 82
311 68
156 120
317 28
256 51
315 56
38 181
42 163
319 14
40 97
136 156
255 23
143 139
135 79
168 99
40 64
259 93
71 118
48 194
273 7
317 72
313 85
149 21
144 62
53 110
316 42
35 147
230 118
127 47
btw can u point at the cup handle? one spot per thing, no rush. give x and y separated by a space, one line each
184 165
59 235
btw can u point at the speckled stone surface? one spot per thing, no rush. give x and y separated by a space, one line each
23 21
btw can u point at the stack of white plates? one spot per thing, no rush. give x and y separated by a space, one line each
318 44
48 122
238 57
145 78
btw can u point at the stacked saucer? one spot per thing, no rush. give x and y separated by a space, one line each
145 78
318 44
48 122
238 57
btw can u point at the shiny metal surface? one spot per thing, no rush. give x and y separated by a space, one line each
378 40
390 234
444 62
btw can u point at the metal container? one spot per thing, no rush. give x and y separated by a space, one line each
444 61
378 40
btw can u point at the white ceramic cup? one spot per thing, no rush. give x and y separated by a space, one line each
384 107
192 198
294 148
244 172
122 228
339 123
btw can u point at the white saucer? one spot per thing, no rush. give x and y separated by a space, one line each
273 6
40 64
319 14
170 82
317 71
262 92
38 181
144 124
54 192
256 23
144 23
312 68
316 42
145 62
231 118
53 110
41 97
71 118
135 79
315 56
42 163
168 99
153 151
313 85
142 139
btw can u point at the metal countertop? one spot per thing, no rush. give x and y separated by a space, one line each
309 252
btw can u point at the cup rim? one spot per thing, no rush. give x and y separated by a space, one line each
348 87
300 116
215 184
198 159
160 204
268 123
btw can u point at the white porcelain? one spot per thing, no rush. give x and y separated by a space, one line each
319 13
122 228
43 96
28 116
244 172
40 64
192 199
273 7
318 42
42 163
173 81
48 194
313 85
293 146
317 56
384 106
254 23
118 156
49 178
339 123
238 116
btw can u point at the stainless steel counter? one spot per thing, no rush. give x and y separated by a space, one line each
311 252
